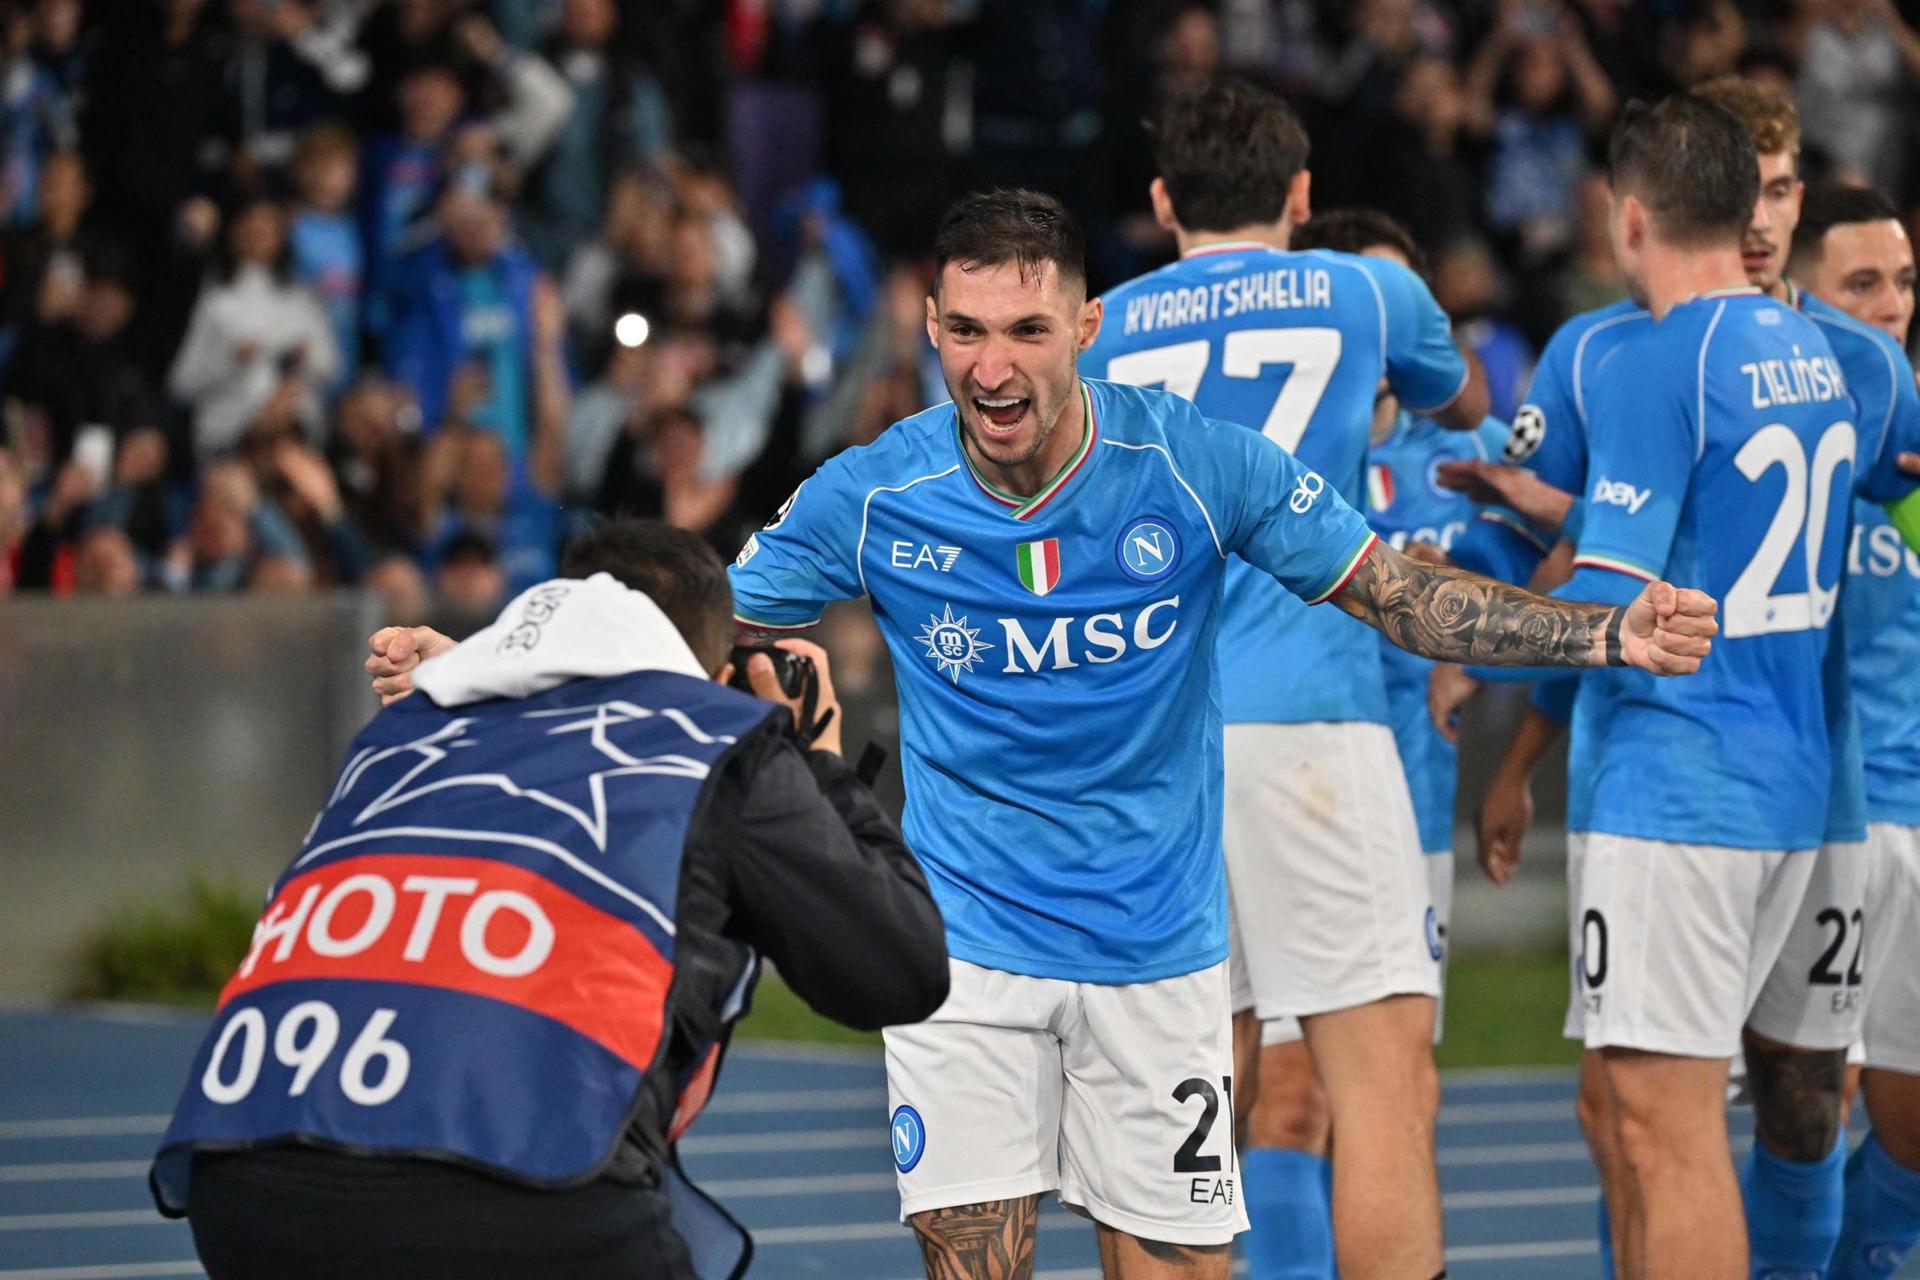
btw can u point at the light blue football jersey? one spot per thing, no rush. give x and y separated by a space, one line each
1549 435
1721 456
1292 345
1405 504
1060 712
1885 410
1881 607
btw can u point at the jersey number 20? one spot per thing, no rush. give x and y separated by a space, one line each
1313 353
1752 609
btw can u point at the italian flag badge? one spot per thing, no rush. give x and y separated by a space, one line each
1379 487
1039 565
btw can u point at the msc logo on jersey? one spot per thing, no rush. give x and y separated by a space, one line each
1528 430
952 644
1148 549
909 1138
1103 638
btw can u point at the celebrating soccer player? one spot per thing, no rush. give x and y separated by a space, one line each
1045 556
1335 915
1851 251
1691 855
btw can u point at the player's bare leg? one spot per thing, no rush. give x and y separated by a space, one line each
1893 1103
1290 1111
1383 1092
1796 1096
992 1240
1246 1072
1600 1121
1683 1216
1125 1257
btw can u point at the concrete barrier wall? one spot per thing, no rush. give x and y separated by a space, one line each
144 740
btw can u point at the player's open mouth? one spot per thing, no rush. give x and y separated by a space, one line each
1753 259
1001 414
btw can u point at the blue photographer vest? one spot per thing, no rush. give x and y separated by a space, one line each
472 954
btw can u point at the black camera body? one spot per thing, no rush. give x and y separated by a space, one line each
794 671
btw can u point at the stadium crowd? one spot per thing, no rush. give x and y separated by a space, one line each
297 294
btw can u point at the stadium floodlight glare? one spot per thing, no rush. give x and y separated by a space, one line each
631 329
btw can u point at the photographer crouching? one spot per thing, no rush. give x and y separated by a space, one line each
495 986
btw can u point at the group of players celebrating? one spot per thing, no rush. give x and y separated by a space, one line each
1098 598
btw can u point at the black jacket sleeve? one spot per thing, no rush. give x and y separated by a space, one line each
820 882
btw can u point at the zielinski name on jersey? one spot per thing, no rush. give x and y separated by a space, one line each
1801 380
1275 290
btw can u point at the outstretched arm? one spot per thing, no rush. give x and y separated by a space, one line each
1448 614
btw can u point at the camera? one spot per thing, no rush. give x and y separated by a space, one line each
794 671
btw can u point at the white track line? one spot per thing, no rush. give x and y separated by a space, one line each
73 1171
77 1221
116 1271
84 1127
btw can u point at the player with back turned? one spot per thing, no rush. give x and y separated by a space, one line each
1722 450
1044 556
1336 930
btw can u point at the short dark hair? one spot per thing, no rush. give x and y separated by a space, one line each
1030 228
1357 229
1228 154
1835 204
1692 163
675 569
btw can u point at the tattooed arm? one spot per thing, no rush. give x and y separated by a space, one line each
1441 612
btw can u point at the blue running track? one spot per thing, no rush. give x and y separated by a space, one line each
795 1144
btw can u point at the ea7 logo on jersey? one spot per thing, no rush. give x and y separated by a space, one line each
1103 638
1618 493
1524 437
909 555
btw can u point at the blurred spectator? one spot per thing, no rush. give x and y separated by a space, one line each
160 135
295 478
601 412
104 563
36 116
1555 96
76 365
401 170
230 530
471 490
286 72
654 470
373 456
1855 65
43 558
142 504
258 347
279 576
619 117
1184 56
1422 177
14 520
1707 40
623 270
897 118
1467 285
327 255
42 265
401 588
468 580
1593 278
60 44
471 300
